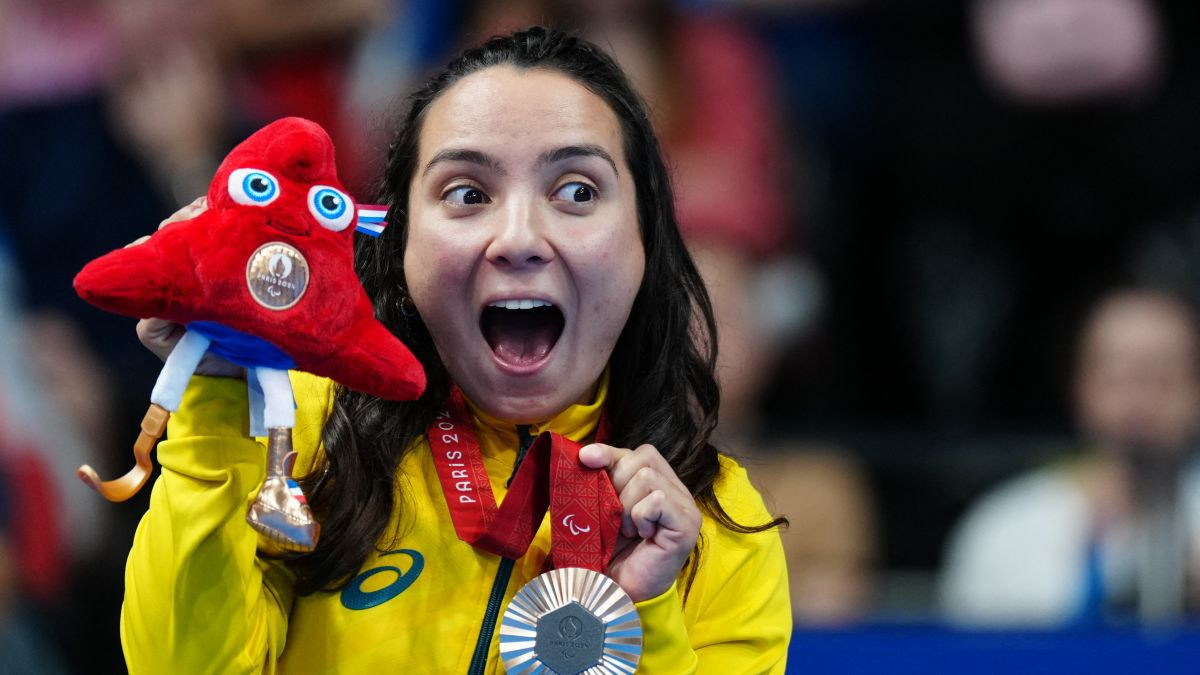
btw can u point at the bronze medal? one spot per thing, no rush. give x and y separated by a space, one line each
571 620
277 275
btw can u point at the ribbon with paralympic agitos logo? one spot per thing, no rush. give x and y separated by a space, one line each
573 617
584 508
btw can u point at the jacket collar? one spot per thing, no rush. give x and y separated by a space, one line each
498 438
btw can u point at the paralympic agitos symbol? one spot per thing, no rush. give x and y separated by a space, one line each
569 521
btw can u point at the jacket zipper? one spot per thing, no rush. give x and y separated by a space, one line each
503 575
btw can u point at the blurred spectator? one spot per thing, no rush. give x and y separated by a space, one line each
407 37
196 76
1068 51
53 50
52 402
1116 532
43 526
831 538
166 102
300 62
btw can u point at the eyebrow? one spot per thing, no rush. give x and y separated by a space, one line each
489 162
469 156
570 151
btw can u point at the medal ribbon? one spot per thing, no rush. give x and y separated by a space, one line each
584 509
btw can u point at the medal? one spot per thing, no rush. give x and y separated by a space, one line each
573 618
277 275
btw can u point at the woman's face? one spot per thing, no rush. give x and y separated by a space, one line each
524 253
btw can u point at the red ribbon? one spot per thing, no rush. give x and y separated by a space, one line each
584 509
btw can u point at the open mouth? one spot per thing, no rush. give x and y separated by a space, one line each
521 332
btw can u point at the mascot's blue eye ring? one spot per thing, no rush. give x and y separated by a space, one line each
331 207
253 187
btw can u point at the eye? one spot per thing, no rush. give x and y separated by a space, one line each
331 207
465 195
574 191
253 187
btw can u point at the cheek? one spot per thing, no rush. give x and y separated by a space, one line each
615 278
429 269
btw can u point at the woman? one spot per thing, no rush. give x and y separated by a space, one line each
533 263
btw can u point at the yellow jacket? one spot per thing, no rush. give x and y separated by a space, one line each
199 600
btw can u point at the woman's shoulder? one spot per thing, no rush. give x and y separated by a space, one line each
737 495
744 505
740 573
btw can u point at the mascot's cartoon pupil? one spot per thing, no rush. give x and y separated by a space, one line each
330 204
259 185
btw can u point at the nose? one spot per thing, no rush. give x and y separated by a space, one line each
520 240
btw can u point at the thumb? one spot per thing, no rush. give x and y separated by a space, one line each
598 456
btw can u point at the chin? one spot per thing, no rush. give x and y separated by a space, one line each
529 400
524 409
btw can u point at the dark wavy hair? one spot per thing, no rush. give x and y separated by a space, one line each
662 389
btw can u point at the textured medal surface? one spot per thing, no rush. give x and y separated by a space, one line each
571 620
277 275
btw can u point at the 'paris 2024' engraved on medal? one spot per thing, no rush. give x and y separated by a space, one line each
277 275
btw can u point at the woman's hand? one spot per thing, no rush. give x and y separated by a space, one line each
160 336
660 523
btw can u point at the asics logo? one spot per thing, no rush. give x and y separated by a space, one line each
354 596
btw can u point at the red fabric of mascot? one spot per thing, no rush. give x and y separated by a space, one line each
265 278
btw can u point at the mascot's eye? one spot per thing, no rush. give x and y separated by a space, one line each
331 207
253 187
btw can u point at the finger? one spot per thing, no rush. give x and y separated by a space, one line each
628 465
660 510
158 330
196 207
642 483
159 335
639 486
647 481
646 515
601 456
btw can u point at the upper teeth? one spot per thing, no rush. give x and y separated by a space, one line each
518 304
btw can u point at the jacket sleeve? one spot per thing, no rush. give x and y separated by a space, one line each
737 616
197 597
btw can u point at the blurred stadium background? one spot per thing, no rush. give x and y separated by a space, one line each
906 210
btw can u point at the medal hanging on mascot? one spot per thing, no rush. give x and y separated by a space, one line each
573 618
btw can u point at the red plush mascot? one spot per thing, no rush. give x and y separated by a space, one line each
264 278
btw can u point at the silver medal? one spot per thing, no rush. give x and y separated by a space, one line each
571 620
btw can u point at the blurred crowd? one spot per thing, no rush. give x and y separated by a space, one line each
953 247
